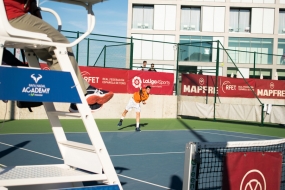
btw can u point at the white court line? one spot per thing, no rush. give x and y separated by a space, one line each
110 155
144 154
143 181
143 131
31 151
240 133
230 135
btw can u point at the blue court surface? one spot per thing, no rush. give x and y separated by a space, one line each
147 160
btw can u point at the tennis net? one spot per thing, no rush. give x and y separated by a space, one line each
204 161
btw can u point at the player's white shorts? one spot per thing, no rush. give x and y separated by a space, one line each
132 104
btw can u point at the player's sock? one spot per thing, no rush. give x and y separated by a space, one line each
138 125
122 118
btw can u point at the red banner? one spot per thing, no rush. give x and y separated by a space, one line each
198 85
161 83
270 88
126 81
114 80
232 87
203 85
252 170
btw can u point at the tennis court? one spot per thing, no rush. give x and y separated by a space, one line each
152 159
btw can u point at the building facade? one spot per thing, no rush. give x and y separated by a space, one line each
253 31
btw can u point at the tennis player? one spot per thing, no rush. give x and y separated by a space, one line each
138 97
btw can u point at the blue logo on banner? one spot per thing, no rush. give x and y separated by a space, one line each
37 85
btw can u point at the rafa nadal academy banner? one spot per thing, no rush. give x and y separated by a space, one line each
203 85
126 81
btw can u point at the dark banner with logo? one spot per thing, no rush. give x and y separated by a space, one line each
203 85
126 81
37 85
252 171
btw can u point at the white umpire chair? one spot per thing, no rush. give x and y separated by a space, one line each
82 162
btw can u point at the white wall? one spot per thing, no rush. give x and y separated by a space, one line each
158 53
262 21
213 19
254 1
208 19
137 46
154 50
244 71
164 17
214 51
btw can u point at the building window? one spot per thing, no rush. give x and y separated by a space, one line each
281 74
142 17
190 18
281 22
239 20
195 48
251 50
281 52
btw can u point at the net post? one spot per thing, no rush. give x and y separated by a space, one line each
190 167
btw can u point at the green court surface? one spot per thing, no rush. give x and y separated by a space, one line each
74 125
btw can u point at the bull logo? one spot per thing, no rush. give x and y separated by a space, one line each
36 79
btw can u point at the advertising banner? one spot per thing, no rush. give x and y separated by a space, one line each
270 89
37 85
161 83
203 85
232 87
126 81
252 170
198 85
114 80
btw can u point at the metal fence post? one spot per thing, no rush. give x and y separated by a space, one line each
131 53
177 58
254 55
77 47
104 56
262 117
88 42
217 73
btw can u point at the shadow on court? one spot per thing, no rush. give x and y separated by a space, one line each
6 121
133 125
176 183
120 169
201 138
12 149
